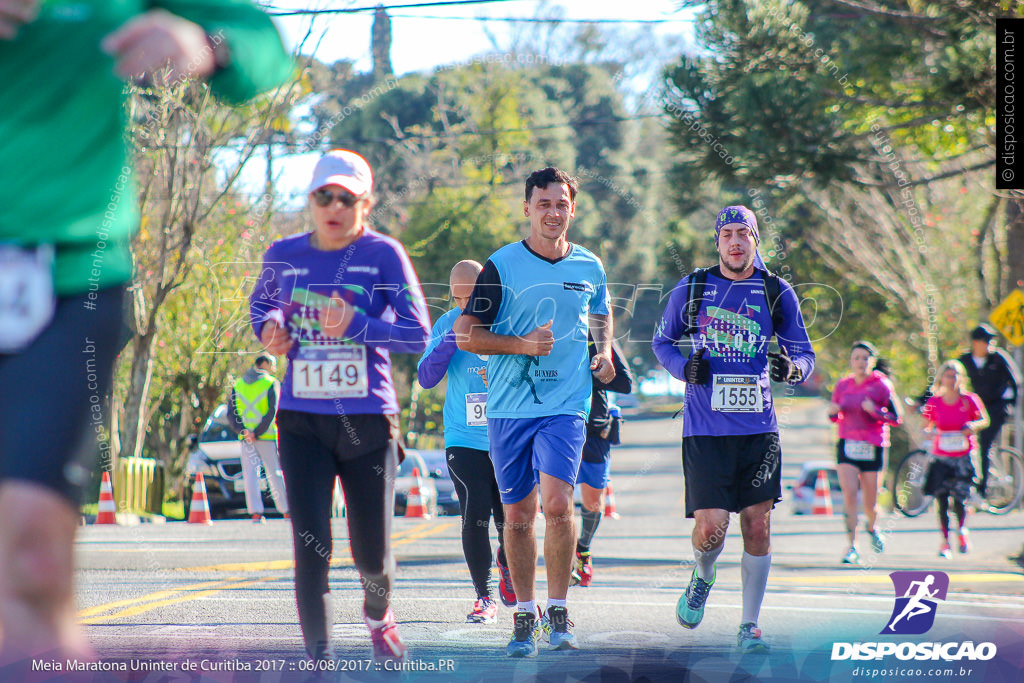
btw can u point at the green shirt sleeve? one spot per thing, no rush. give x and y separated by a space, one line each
258 58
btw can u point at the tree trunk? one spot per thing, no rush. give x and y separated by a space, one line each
135 418
268 180
1014 245
115 430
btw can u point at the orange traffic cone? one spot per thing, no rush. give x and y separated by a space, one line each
106 510
200 510
822 495
414 506
609 502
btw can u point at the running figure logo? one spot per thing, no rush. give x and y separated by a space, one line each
917 594
525 364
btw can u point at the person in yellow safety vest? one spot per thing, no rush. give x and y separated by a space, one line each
253 407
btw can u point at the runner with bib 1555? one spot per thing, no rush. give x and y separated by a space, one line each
731 457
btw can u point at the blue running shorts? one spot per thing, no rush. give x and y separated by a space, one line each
521 448
595 471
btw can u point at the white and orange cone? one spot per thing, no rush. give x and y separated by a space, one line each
609 502
414 507
199 513
822 495
105 513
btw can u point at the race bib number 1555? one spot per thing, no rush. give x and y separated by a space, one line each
736 394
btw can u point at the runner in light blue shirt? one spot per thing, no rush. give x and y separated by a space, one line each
466 447
465 400
524 289
530 311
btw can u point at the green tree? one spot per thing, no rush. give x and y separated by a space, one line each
175 129
865 150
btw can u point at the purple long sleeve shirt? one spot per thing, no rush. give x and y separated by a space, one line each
735 326
350 375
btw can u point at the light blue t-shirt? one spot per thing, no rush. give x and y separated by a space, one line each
466 396
519 290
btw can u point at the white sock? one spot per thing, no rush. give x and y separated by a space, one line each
754 573
528 607
553 602
374 623
706 561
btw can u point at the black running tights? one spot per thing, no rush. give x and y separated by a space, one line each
958 509
314 451
473 475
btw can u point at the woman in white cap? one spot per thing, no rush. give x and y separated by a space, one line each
337 301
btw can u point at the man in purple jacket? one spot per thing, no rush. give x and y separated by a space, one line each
338 300
731 456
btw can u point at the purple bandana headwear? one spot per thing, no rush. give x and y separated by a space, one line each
743 216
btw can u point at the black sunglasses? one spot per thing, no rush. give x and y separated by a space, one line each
325 198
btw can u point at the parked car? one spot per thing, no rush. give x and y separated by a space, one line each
803 489
437 468
218 456
404 482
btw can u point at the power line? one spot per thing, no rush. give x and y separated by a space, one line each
280 12
527 129
535 20
327 143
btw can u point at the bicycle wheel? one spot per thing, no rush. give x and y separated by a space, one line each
908 484
1005 480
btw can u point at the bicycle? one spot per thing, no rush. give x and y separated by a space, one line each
1003 494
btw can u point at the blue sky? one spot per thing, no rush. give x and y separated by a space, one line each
422 39
431 36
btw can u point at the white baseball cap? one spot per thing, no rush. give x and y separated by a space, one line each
345 168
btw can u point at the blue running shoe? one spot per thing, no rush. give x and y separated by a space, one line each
877 539
690 608
525 632
749 639
556 625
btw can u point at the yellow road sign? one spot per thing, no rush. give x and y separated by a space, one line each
1008 317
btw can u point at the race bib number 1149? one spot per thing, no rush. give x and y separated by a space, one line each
333 372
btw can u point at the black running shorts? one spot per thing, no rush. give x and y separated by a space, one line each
872 464
53 395
731 472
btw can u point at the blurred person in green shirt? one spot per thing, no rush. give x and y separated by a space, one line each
67 213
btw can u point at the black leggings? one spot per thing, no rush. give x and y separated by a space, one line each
53 395
473 475
958 509
359 449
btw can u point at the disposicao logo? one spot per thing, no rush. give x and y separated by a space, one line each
917 595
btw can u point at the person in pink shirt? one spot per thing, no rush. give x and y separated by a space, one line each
863 406
956 416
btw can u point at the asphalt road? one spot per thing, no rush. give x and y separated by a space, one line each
217 602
